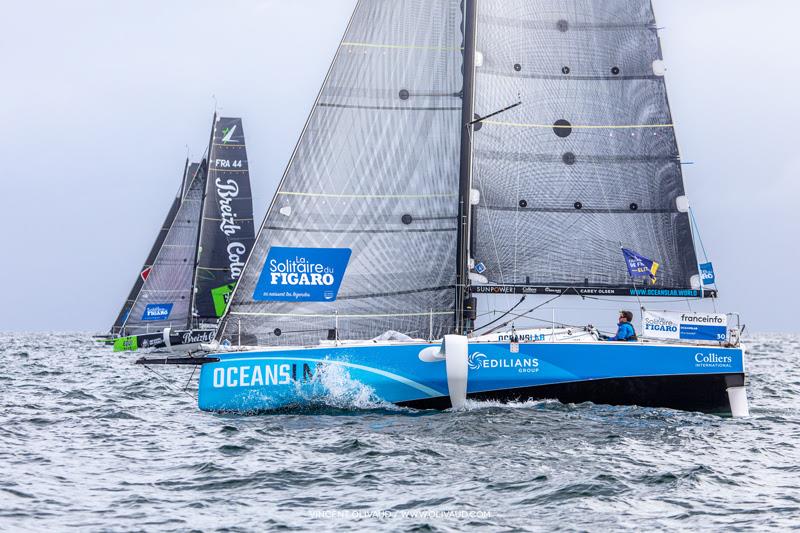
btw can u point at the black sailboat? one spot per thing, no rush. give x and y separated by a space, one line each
201 253
227 231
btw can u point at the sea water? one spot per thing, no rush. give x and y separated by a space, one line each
91 442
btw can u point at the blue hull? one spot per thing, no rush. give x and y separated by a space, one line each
682 377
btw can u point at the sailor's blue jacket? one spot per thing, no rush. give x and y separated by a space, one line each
625 332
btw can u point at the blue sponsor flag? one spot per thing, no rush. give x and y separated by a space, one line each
707 274
639 266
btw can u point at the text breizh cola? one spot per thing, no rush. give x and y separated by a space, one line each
299 271
226 192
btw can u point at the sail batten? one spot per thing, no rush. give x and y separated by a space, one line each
390 108
404 47
582 211
579 126
342 315
369 196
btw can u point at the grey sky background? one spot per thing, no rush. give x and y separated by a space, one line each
99 99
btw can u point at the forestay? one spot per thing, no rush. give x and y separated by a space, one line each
165 298
375 172
589 160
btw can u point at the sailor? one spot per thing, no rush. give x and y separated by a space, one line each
625 331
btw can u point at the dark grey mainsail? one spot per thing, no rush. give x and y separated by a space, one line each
188 172
376 173
589 161
227 231
165 298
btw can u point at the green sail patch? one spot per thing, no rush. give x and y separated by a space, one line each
221 295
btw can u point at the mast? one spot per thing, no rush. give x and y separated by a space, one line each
202 217
465 172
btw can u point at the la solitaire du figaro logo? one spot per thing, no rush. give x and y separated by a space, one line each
660 324
302 274
155 312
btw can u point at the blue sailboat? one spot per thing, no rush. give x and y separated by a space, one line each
461 155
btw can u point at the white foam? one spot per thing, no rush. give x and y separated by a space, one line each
336 388
477 405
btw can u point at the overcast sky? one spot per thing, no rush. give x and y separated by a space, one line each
99 100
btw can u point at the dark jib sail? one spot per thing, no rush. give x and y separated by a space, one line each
588 162
361 235
227 232
165 298
188 172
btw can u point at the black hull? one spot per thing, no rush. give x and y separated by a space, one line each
706 393
155 341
